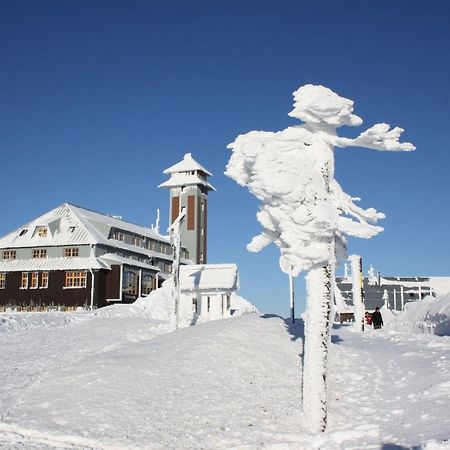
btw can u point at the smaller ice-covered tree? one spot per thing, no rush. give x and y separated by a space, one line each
305 212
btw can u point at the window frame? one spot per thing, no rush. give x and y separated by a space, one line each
34 280
43 280
39 253
24 279
2 280
9 254
75 279
71 252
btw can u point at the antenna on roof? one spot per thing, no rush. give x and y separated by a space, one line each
156 227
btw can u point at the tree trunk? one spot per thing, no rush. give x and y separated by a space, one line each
317 338
358 295
291 297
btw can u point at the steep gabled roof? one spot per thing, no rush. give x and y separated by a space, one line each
72 225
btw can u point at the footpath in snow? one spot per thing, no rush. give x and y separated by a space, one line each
120 381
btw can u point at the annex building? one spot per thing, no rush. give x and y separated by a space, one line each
74 257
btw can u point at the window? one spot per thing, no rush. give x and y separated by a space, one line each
194 305
147 280
71 229
208 303
34 280
44 280
138 241
24 280
130 281
9 254
70 252
40 253
118 235
75 280
24 231
41 231
2 280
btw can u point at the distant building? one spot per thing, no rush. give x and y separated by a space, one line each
74 257
393 291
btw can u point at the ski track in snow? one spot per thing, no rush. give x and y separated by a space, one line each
125 383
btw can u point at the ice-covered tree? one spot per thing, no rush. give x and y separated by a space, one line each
305 212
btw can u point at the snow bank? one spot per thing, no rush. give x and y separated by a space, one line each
430 315
14 321
158 305
241 306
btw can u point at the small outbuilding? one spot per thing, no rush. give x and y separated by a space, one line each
205 291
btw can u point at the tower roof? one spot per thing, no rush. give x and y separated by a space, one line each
187 164
187 172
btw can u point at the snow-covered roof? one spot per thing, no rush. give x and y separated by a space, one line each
38 264
109 258
187 164
187 172
186 179
209 277
68 224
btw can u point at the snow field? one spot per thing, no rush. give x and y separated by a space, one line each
119 381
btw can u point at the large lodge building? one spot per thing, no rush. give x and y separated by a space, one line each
74 257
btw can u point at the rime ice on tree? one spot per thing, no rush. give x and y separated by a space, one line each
305 212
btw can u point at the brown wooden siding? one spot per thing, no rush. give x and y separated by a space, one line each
100 288
175 208
199 230
113 286
191 212
55 294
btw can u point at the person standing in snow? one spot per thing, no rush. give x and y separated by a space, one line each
377 320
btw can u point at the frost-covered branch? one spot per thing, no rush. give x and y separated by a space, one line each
378 137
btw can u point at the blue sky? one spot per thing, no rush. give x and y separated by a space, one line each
99 97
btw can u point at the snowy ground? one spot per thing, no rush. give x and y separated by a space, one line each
118 380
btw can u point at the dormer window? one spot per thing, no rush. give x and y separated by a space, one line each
41 232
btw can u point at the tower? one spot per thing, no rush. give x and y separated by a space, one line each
189 189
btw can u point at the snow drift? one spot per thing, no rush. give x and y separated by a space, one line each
430 315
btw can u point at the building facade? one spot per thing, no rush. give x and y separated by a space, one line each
73 257
394 292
